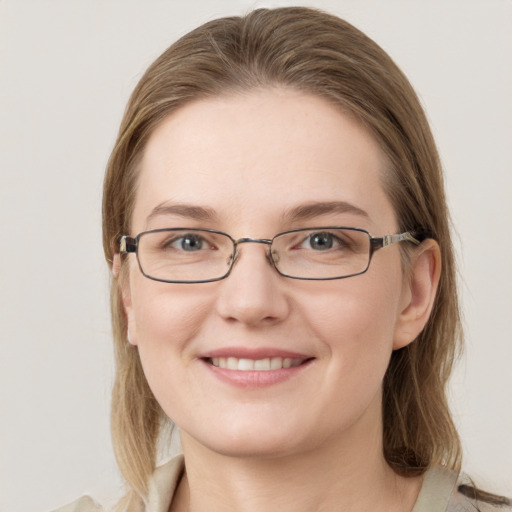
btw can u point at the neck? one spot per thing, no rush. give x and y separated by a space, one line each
345 473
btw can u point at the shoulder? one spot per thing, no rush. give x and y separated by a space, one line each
162 487
466 496
445 490
438 485
164 483
83 504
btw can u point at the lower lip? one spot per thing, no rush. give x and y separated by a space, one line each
255 378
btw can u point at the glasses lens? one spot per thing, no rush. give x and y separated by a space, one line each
322 253
184 255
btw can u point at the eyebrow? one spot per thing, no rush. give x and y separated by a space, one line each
187 211
301 212
311 210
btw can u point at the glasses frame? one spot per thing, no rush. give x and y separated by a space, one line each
128 244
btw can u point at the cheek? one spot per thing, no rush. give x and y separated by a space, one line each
355 322
166 317
167 320
365 310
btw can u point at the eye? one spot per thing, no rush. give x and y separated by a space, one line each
188 242
321 241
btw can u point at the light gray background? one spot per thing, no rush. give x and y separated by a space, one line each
66 70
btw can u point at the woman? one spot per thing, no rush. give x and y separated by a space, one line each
284 284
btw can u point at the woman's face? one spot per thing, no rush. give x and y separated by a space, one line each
248 165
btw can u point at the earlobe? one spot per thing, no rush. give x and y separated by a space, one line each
116 265
124 289
131 330
131 327
419 293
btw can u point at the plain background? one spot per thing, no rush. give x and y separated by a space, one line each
66 70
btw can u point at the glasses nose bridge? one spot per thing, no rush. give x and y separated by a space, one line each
247 240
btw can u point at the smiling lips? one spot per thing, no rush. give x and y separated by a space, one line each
255 368
266 364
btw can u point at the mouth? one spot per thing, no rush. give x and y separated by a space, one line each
266 364
255 368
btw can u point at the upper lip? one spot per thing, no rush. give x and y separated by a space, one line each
253 353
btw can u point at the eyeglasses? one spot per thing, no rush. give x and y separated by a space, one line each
184 255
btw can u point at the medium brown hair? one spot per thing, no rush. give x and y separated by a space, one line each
314 52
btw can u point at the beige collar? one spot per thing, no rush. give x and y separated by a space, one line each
438 484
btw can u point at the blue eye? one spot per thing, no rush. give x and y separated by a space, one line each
322 241
188 242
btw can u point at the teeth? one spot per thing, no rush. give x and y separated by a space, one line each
269 363
276 363
246 364
262 364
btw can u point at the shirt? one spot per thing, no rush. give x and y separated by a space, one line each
442 491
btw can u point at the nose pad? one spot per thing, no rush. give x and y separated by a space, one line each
233 257
273 257
253 292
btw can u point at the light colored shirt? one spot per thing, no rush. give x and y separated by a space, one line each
440 492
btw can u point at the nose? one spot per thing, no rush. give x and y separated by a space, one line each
254 293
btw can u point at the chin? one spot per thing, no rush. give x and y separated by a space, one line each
253 449
248 441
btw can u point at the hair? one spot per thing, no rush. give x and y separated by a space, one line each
314 52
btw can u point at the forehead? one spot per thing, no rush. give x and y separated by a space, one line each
258 154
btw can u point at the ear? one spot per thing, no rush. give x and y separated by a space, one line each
419 292
123 283
116 265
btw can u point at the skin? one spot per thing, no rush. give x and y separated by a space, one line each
249 159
